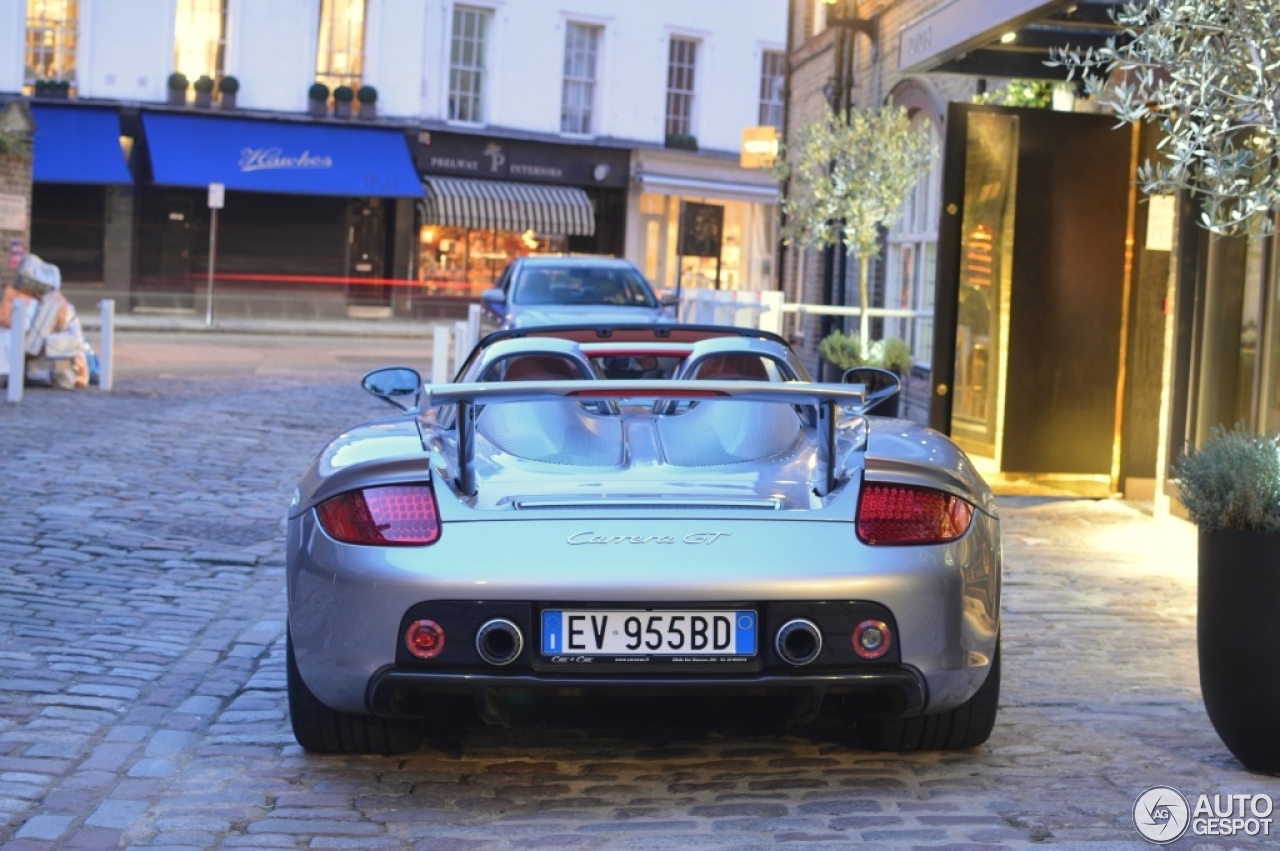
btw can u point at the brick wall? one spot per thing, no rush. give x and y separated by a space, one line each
15 179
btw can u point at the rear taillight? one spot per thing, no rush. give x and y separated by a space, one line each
905 514
395 516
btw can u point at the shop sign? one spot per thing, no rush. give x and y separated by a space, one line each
759 147
269 159
13 212
522 160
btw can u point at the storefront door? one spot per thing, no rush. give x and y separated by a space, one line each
366 260
1031 286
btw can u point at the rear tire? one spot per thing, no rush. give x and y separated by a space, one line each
323 730
966 726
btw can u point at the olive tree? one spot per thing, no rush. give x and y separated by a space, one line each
1207 73
849 174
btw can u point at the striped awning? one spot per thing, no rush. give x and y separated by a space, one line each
503 205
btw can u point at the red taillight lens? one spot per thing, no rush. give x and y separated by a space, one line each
904 514
396 516
424 639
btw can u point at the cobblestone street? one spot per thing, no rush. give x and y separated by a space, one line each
142 704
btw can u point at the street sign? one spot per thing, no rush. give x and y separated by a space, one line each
217 195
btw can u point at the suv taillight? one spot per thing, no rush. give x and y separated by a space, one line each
393 515
906 514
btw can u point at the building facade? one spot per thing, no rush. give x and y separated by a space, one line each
526 127
1082 334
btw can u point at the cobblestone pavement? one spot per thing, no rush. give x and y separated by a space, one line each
142 673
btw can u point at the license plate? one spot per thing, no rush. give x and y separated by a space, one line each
664 633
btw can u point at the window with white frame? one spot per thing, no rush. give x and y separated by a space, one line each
581 52
467 60
51 40
200 38
340 53
681 64
771 76
912 256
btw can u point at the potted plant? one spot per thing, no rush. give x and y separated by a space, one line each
318 100
1230 487
227 88
177 89
204 91
342 97
845 351
56 89
368 97
682 141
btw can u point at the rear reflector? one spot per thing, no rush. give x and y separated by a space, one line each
424 639
395 515
905 514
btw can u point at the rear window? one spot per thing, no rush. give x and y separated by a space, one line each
582 285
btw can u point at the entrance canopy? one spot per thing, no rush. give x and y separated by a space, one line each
503 205
1003 38
76 144
291 157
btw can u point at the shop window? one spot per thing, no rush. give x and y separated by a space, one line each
340 56
456 261
581 49
911 261
771 77
467 60
682 62
51 40
200 38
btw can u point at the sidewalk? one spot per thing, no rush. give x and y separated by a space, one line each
185 324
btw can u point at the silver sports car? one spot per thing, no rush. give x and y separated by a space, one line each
659 510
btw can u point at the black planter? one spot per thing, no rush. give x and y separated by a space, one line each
1238 636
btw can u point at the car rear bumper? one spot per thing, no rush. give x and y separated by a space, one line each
397 693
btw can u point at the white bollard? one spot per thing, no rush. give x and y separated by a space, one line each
17 350
107 345
473 326
771 311
460 348
440 355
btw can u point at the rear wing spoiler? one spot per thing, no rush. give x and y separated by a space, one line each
824 397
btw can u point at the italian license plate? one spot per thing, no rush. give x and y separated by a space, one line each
663 633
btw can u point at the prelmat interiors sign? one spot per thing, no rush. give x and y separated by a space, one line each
521 160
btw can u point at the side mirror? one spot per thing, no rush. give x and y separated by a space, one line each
393 384
879 384
494 296
669 300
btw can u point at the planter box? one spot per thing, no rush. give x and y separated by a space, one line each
227 101
1238 639
318 108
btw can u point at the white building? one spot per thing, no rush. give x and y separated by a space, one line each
526 126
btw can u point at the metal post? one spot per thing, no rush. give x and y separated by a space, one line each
440 355
213 256
107 345
18 350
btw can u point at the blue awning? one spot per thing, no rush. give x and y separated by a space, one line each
279 156
77 144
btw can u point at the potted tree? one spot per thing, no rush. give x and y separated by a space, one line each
342 97
204 91
368 97
845 351
318 100
849 173
1231 489
227 89
177 89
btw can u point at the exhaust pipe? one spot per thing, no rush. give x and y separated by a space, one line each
798 641
499 641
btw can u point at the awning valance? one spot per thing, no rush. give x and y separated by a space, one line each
291 157
503 205
721 190
77 144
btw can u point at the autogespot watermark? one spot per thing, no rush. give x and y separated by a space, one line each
1162 815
